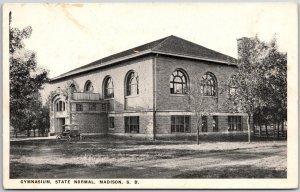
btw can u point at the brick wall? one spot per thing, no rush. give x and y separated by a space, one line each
90 123
163 123
145 122
142 66
166 65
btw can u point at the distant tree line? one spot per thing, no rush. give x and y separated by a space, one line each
26 80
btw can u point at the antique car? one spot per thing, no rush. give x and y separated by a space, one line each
70 133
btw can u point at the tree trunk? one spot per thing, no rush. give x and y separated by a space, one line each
28 132
259 129
282 127
249 129
34 132
277 129
198 131
266 125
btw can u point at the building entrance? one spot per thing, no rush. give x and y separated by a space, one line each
60 125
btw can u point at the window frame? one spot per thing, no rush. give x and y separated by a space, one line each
180 124
209 85
88 87
73 88
106 88
111 122
132 124
60 106
235 123
131 75
79 107
182 76
215 123
204 123
92 106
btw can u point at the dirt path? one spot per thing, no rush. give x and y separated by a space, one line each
135 159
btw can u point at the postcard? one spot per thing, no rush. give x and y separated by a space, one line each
150 96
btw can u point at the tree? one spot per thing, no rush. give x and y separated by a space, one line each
198 104
260 80
26 78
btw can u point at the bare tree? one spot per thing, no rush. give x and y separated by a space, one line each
198 104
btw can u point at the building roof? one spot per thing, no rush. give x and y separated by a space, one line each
170 45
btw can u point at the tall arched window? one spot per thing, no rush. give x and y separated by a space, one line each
209 84
73 88
108 88
178 82
132 84
88 87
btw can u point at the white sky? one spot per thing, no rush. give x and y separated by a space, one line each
69 36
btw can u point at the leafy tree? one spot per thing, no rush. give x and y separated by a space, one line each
26 78
260 81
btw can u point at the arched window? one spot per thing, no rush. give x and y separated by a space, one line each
209 84
88 87
132 84
73 88
60 106
178 82
108 88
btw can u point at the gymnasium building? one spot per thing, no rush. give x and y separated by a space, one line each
144 91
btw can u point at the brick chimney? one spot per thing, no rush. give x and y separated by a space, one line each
242 43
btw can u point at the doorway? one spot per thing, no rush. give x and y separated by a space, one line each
60 124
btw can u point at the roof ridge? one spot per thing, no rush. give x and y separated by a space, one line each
170 44
204 47
165 39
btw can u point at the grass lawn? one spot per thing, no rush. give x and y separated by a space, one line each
128 158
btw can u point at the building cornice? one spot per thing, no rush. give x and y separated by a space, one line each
135 55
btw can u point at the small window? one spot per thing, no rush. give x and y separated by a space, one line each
79 107
215 123
178 82
92 106
132 84
108 88
209 85
132 124
234 123
111 122
73 88
104 107
180 124
60 106
204 123
88 87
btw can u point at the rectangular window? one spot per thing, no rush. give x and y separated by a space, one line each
60 106
235 123
104 107
215 123
180 124
92 106
79 107
204 123
111 122
132 124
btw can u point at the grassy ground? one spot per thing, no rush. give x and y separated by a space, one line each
129 158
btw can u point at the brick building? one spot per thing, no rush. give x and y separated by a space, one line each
144 92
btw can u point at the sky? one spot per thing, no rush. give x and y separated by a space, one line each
67 36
